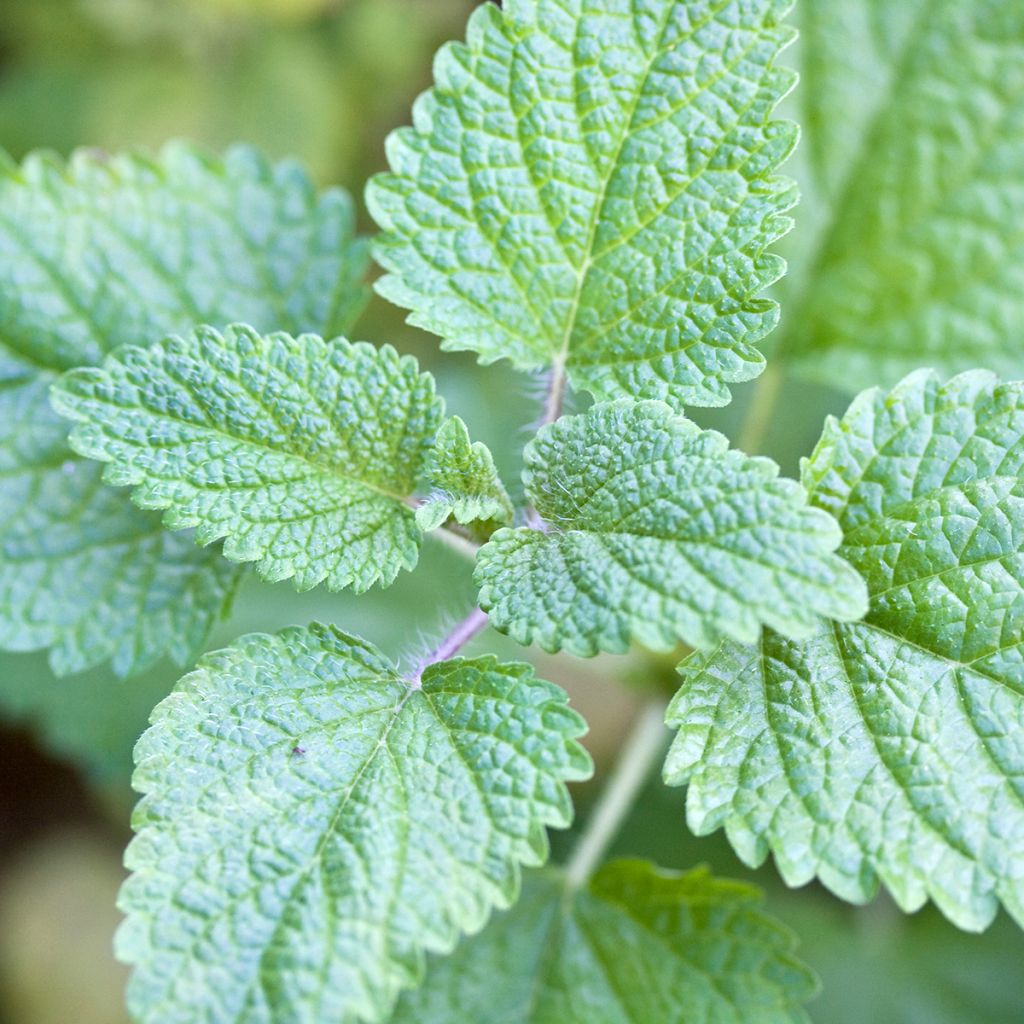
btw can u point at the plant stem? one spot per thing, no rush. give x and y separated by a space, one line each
463 632
555 397
762 406
457 541
643 746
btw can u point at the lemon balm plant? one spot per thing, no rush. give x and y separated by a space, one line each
590 191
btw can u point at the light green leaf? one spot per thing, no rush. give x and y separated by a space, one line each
654 530
466 484
590 187
302 453
907 250
106 251
891 749
638 944
312 823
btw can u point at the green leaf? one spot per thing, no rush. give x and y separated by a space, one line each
106 251
302 453
467 487
590 186
890 749
906 252
312 822
638 944
654 530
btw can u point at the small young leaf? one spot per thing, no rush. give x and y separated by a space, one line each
907 251
638 944
467 487
591 186
108 251
302 453
312 823
891 749
657 531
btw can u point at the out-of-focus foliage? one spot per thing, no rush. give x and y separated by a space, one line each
907 250
321 80
98 252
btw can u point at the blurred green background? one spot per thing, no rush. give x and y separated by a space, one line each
325 80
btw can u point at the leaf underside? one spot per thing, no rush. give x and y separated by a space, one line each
102 252
905 252
312 823
301 453
637 945
891 749
656 531
592 185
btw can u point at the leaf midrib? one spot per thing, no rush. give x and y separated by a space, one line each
141 473
562 353
264 976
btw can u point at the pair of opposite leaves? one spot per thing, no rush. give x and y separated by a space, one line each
654 526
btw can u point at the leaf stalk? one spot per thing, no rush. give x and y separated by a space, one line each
461 635
763 403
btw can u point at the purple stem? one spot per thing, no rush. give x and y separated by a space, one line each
463 632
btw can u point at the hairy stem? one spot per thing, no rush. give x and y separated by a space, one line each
642 748
463 632
554 399
766 396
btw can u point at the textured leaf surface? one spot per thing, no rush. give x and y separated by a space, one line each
311 823
890 749
301 452
907 251
104 252
466 484
638 945
591 185
655 530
